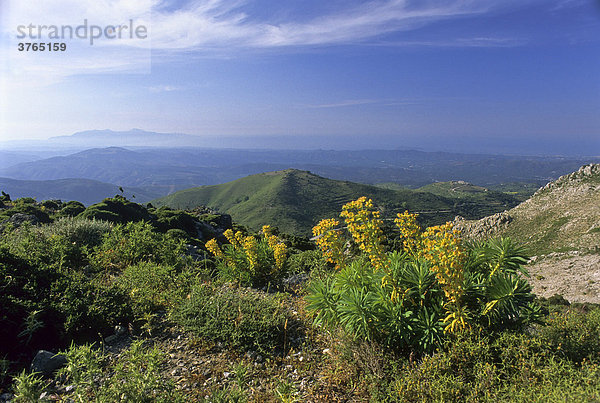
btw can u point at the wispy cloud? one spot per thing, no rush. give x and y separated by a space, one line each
163 88
341 104
360 102
215 23
216 27
475 42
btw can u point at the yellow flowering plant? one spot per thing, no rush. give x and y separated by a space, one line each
413 298
250 260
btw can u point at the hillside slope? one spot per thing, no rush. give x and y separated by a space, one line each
86 191
560 225
296 200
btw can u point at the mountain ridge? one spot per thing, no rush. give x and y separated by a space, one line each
560 225
296 200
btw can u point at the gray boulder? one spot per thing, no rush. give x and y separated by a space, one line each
46 362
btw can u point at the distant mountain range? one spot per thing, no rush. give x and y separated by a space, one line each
158 164
180 168
84 190
296 200
8 158
133 137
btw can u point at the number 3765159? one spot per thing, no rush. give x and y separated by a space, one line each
42 47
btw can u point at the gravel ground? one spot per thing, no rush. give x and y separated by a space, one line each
576 277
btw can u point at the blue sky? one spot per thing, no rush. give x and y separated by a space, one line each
430 74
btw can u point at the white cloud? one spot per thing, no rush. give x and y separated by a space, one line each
341 104
217 27
163 88
360 102
217 23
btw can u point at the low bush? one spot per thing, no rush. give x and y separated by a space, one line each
153 286
574 335
71 209
136 376
509 367
117 210
240 318
310 261
63 244
89 307
134 242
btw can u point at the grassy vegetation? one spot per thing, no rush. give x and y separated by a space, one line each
294 201
521 191
423 318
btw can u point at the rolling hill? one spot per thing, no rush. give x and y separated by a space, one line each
296 200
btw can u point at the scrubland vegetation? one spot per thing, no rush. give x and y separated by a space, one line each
368 312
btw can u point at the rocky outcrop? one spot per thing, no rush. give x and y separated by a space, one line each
485 228
587 174
18 219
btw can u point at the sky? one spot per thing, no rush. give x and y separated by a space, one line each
476 75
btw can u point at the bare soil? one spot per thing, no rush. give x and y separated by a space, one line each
574 276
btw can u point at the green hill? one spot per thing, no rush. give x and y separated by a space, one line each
296 200
483 200
458 189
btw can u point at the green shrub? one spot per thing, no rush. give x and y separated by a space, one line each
28 387
52 205
118 210
574 335
176 219
136 376
507 367
153 286
62 244
89 307
310 261
136 242
27 319
240 318
78 230
71 209
25 206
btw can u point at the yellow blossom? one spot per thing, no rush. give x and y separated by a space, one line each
213 247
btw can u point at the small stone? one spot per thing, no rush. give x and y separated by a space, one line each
111 339
5 397
226 374
46 362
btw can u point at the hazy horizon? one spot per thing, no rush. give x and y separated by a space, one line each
491 146
516 77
